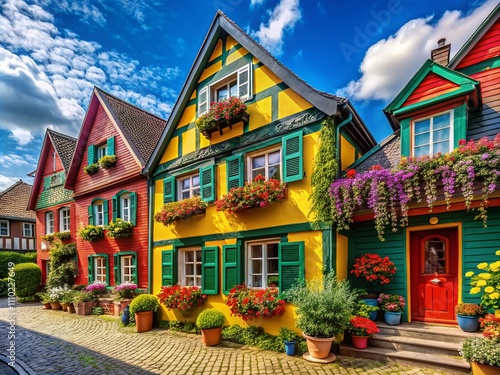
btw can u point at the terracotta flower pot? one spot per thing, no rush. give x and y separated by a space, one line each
359 342
55 305
319 347
143 321
482 369
84 308
211 336
47 306
64 306
71 308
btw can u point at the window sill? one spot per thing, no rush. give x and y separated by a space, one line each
222 124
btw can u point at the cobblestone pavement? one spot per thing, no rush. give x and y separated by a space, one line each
55 342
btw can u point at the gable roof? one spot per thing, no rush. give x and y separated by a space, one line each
139 129
14 202
221 25
64 145
478 34
464 84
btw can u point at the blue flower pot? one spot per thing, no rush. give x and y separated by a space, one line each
468 323
371 302
290 347
392 318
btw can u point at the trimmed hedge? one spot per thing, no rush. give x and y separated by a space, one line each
16 258
28 277
3 288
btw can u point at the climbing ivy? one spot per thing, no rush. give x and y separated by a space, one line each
62 264
324 173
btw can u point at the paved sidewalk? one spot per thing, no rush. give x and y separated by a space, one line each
55 342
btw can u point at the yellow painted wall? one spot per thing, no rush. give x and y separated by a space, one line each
348 153
341 261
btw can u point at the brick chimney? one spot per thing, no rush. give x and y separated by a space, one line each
441 54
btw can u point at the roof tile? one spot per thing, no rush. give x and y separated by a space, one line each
14 201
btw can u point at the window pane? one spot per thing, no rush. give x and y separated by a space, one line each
186 183
441 135
422 126
257 172
189 256
441 121
190 281
441 147
421 151
422 139
196 180
198 269
256 251
189 269
198 256
272 250
256 281
274 172
258 162
234 88
222 94
272 266
256 266
274 157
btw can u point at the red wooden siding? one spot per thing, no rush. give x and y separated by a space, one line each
49 166
126 165
431 86
138 241
487 48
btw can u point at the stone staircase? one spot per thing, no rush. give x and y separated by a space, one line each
416 344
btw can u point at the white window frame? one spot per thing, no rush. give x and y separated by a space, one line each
126 270
183 275
49 222
125 211
266 152
100 269
101 151
431 131
64 219
264 259
54 161
4 224
98 211
192 189
210 90
28 230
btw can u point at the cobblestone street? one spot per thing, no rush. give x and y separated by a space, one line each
55 342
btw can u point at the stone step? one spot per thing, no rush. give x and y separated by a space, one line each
446 364
411 344
433 332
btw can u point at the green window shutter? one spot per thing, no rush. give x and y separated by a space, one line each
90 210
290 264
105 211
110 145
91 155
106 257
203 101
293 169
234 167
210 269
232 267
169 267
134 267
46 183
133 208
169 190
207 183
115 206
117 269
90 260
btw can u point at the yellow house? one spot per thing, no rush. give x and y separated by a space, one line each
276 138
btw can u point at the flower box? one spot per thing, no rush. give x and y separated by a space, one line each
172 212
223 123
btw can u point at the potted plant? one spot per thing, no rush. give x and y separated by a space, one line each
255 303
483 354
125 292
108 161
143 307
323 308
210 322
289 338
171 212
258 193
83 302
45 300
91 168
393 306
365 310
181 297
468 315
487 282
119 229
490 325
96 289
361 329
91 233
222 114
67 301
54 295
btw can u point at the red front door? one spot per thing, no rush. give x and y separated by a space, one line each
434 275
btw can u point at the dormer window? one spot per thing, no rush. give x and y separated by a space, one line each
101 151
236 84
433 135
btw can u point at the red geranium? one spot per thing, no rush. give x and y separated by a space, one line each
374 269
181 297
490 325
360 326
253 303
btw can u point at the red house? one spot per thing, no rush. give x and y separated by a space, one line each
54 205
115 142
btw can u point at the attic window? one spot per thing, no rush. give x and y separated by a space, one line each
237 84
433 135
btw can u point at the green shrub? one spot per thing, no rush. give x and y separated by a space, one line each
286 334
62 265
363 309
4 287
233 333
16 258
210 318
175 325
144 302
482 350
164 324
97 310
28 279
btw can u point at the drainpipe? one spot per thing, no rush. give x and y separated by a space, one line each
150 195
337 140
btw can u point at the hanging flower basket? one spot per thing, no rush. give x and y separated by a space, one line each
259 193
221 115
171 212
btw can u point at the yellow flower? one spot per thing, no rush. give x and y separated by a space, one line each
495 295
485 276
489 289
482 266
469 274
497 252
475 290
481 283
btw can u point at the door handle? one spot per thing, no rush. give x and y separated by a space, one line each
436 281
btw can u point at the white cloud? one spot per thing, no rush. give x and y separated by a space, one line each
282 18
6 182
16 160
390 63
254 3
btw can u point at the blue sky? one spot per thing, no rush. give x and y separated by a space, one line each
53 52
